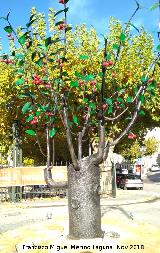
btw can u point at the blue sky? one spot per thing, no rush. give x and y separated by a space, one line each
91 12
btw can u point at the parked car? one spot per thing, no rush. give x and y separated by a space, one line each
131 181
119 177
155 167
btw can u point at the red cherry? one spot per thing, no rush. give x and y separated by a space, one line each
80 82
33 121
92 83
151 80
48 85
113 74
11 38
110 63
61 65
132 136
61 26
61 1
105 64
7 61
9 35
104 106
58 60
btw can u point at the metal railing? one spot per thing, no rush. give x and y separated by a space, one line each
18 193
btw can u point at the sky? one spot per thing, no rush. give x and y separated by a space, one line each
91 12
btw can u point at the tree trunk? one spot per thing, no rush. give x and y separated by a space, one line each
84 201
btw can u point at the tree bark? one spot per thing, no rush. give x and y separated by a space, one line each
84 201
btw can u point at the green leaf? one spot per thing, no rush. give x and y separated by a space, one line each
31 17
22 39
31 117
75 120
85 100
110 109
66 1
89 77
100 74
30 132
77 74
38 113
20 81
122 37
121 100
30 23
121 105
135 90
26 107
59 23
56 40
152 86
120 91
98 86
48 41
129 99
21 63
84 57
134 27
115 46
45 78
20 71
92 105
64 73
19 56
25 86
70 123
158 48
141 98
74 84
108 56
141 112
109 101
33 55
8 29
154 6
52 133
144 79
24 96
58 12
68 28
39 63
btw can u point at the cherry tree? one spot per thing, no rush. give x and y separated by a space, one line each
79 107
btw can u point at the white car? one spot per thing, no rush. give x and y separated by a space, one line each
155 167
131 181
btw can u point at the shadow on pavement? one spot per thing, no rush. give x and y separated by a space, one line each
154 177
129 215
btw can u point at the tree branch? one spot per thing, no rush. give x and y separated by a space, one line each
69 140
79 146
39 145
48 147
86 121
50 182
98 157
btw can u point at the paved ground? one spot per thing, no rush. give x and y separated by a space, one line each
135 204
